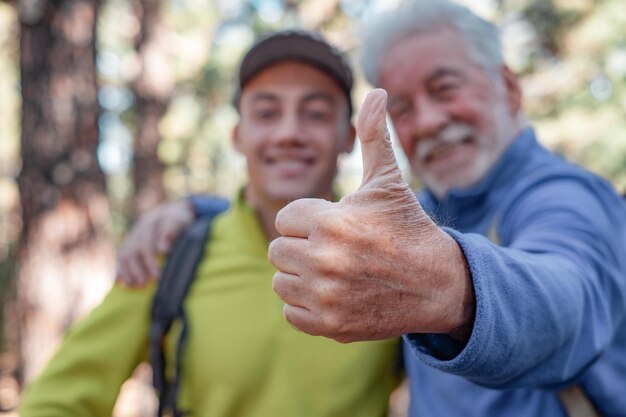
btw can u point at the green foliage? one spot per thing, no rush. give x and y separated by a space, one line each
578 83
571 54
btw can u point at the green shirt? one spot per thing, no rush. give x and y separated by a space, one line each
242 358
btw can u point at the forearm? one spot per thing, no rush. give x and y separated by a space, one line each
541 319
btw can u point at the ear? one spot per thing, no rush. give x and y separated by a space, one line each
236 138
350 138
513 89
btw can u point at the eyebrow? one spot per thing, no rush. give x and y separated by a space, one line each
319 95
439 72
261 96
316 95
444 71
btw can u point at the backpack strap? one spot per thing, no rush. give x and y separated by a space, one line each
577 403
167 304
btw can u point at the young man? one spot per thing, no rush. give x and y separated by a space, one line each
241 357
515 326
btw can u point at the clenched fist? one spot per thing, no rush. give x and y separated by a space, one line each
373 265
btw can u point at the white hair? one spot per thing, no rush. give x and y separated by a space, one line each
410 17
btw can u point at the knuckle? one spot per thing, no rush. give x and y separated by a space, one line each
281 220
331 325
274 250
290 211
291 317
327 292
279 285
286 314
329 262
332 224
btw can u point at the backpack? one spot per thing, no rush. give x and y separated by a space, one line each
167 304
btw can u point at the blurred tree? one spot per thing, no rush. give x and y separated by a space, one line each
550 23
152 88
65 254
575 80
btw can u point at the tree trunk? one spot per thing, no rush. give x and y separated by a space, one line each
66 255
153 89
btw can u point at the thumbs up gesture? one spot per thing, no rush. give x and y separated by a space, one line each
373 265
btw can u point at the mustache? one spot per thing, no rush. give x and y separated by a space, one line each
451 134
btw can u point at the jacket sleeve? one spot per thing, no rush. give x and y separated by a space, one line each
549 301
96 356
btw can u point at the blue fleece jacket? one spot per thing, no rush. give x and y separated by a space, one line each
550 297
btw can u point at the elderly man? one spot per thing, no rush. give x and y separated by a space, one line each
514 303
241 358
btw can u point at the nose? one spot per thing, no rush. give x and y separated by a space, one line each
288 130
430 117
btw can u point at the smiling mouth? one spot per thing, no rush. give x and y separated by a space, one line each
446 148
290 166
290 161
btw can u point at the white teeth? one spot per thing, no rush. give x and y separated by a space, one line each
290 163
289 159
452 135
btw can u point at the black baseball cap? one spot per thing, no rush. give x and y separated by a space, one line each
295 45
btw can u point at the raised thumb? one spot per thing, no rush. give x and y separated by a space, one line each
379 162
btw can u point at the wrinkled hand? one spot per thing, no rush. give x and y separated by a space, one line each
373 265
152 236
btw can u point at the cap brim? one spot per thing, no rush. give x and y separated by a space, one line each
297 46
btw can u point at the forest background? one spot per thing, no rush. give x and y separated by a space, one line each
109 107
